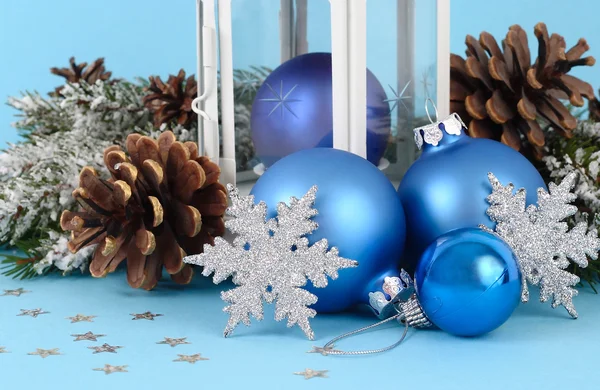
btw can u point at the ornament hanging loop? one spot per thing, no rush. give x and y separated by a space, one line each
328 348
427 101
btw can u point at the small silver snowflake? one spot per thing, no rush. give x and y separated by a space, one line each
541 239
271 261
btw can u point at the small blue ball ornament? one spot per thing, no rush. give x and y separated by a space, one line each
447 187
359 212
468 282
292 110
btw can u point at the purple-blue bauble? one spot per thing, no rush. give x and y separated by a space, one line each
292 110
446 188
359 212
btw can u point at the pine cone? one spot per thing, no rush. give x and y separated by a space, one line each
172 100
96 71
594 108
162 202
499 94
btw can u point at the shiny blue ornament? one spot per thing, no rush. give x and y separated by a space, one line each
447 187
359 212
468 282
292 110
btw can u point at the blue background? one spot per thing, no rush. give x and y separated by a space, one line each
538 348
141 38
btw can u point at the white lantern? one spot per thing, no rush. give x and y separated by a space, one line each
405 43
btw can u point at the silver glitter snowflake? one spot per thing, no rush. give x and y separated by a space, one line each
271 260
541 240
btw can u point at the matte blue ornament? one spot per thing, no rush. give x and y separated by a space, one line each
468 282
446 188
292 110
359 212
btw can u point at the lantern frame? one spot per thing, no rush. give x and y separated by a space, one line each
349 57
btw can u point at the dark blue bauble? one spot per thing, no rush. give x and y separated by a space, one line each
447 187
468 282
359 212
292 110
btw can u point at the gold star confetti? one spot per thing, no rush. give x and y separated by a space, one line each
174 342
14 293
44 353
89 336
190 358
81 318
145 316
33 313
105 348
309 374
3 350
108 369
322 350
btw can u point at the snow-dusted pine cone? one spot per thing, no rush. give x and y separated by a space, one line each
81 72
162 202
172 100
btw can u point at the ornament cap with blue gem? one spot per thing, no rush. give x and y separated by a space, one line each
446 188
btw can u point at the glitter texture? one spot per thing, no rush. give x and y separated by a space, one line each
541 240
192 359
106 348
44 353
108 369
270 261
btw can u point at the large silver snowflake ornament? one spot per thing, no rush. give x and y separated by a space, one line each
270 261
541 239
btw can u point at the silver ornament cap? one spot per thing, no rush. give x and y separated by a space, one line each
433 133
413 313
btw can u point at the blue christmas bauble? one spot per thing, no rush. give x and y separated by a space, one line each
359 212
447 187
292 110
468 282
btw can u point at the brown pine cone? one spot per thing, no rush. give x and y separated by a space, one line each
500 95
172 100
162 202
594 108
77 72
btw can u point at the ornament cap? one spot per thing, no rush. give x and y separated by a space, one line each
399 289
413 313
433 133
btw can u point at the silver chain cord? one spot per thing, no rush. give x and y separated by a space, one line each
329 346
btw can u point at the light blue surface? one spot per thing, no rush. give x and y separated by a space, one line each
538 348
